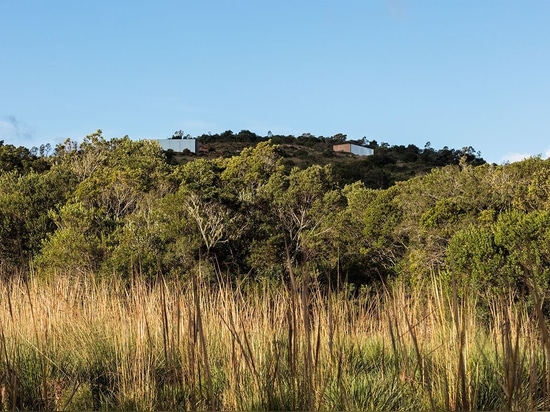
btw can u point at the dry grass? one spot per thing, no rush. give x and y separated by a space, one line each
81 343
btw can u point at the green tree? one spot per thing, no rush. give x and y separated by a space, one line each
475 261
511 253
245 174
300 206
25 205
20 159
77 246
113 177
526 239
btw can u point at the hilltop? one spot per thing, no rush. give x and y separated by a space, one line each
388 165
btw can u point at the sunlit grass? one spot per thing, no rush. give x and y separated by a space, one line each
82 343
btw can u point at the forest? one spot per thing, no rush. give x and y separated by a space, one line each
270 273
125 206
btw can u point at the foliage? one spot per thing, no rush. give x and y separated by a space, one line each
326 242
112 178
23 160
119 206
388 165
106 344
26 205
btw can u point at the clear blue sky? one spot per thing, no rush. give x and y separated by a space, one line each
454 73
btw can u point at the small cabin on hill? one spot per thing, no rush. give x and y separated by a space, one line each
353 149
179 145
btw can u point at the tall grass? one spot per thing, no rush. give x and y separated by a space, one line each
83 343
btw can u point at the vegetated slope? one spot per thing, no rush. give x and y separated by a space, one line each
118 206
143 271
389 164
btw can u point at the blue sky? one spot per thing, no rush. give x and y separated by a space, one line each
453 73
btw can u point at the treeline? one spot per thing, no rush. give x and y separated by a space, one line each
106 206
389 163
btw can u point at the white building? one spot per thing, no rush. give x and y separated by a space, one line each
353 148
179 145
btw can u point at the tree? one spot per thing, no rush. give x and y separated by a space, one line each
78 244
511 253
20 159
244 175
179 134
112 179
476 262
247 136
298 204
26 203
339 138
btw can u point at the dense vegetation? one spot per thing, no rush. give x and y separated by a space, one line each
119 205
135 278
79 343
388 165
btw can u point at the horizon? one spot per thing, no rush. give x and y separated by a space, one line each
453 73
365 143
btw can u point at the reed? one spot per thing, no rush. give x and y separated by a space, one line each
79 342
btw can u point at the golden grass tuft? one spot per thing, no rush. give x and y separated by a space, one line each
83 343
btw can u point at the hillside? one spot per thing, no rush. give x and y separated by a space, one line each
389 164
247 202
129 271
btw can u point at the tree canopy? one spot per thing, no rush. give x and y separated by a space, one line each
119 205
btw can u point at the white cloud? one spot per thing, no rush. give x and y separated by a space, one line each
518 157
14 132
7 131
515 157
